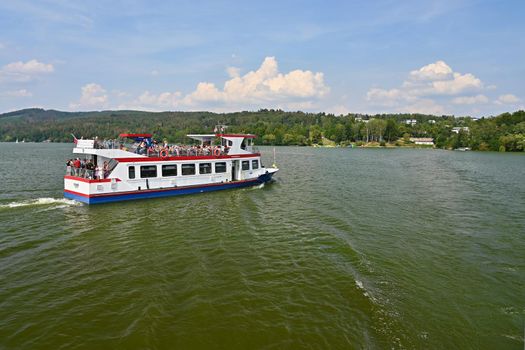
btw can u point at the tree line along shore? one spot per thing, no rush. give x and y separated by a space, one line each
505 132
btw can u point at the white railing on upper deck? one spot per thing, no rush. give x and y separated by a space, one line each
158 150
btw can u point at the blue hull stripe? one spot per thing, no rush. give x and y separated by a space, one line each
166 193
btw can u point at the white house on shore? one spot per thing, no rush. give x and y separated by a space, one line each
461 128
428 141
410 121
361 120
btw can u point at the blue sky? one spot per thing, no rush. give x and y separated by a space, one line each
442 57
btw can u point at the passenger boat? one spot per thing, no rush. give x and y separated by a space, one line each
135 167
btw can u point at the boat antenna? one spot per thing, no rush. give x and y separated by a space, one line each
274 165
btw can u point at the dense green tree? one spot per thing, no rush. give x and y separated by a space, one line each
377 129
391 130
316 134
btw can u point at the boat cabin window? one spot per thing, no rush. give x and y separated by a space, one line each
169 170
228 143
245 165
205 168
255 164
147 171
188 169
220 167
131 172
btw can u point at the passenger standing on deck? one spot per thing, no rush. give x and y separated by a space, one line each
68 167
90 168
82 167
76 167
98 173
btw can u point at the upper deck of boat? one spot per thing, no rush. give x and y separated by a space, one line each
144 146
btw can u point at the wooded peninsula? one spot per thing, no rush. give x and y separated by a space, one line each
505 132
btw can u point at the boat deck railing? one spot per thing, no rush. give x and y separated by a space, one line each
157 150
166 150
82 173
179 151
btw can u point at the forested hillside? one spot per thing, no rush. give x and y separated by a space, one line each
505 132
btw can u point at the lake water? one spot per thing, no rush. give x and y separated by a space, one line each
348 248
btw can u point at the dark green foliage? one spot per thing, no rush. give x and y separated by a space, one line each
505 132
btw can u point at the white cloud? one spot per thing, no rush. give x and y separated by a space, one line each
434 71
154 72
507 99
433 80
470 100
19 93
298 83
29 67
93 96
204 92
267 85
25 71
458 84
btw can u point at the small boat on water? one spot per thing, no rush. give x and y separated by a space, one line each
135 166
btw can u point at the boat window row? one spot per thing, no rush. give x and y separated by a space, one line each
149 171
245 165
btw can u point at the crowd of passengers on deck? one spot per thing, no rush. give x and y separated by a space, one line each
85 168
153 148
166 150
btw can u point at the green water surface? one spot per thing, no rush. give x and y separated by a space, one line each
347 249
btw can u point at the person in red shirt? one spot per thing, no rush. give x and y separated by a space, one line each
76 165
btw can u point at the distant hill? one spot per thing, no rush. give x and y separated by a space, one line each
275 127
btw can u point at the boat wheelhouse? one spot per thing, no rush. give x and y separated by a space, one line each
136 166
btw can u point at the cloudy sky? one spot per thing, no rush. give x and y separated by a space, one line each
457 57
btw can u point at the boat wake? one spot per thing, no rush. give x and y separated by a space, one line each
58 202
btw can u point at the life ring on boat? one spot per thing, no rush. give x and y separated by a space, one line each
217 151
164 153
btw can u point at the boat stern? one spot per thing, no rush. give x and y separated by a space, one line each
85 190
